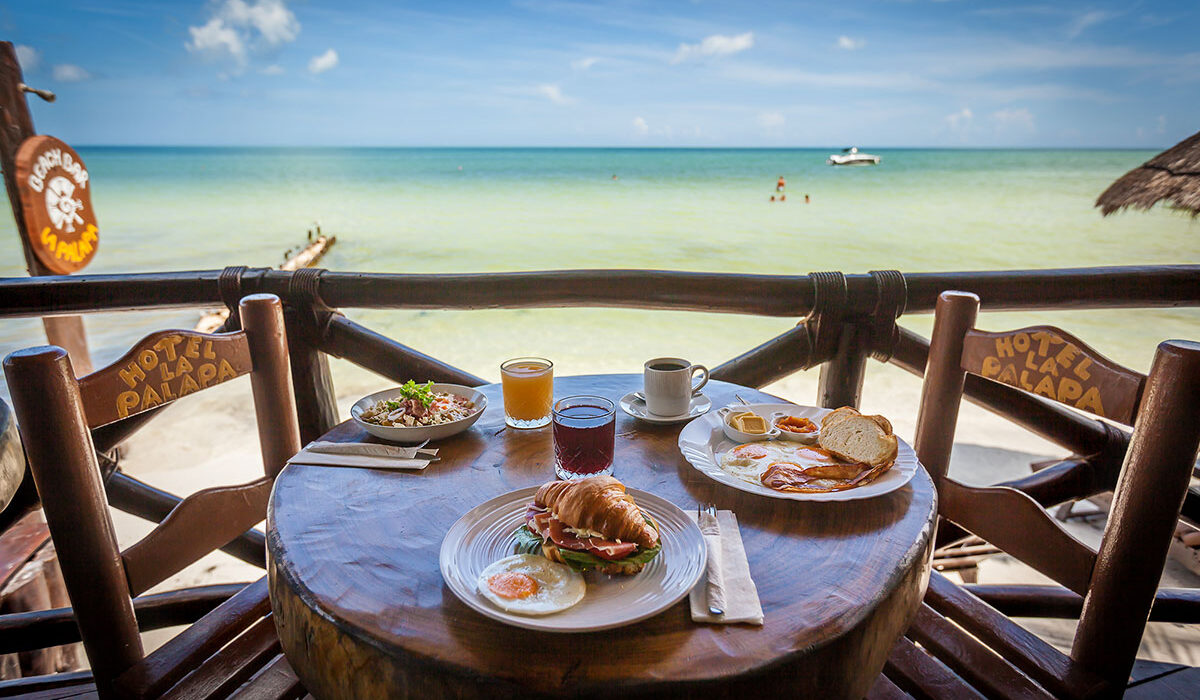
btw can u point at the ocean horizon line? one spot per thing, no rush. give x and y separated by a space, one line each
835 149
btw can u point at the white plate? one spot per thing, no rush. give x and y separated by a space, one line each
637 408
484 535
703 441
421 433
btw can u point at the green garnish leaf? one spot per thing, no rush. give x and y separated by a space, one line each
527 541
423 393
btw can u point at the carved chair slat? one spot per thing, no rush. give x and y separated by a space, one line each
233 665
201 523
971 659
275 682
1020 647
184 651
923 676
1015 523
1047 361
161 368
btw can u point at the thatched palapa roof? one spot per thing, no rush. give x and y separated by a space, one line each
1173 175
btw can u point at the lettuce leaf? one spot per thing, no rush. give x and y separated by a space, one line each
527 541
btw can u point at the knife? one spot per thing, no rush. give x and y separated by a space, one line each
714 586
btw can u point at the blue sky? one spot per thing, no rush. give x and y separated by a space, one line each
619 73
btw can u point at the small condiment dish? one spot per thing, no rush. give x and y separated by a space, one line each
805 438
738 436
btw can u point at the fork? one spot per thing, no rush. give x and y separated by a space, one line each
714 585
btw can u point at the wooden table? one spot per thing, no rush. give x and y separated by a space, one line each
362 610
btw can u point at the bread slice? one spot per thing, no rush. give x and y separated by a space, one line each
849 435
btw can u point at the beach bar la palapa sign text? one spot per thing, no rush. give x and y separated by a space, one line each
56 200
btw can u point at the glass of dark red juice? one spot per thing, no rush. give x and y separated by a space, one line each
584 433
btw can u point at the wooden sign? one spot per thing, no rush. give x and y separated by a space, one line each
1049 362
57 204
163 367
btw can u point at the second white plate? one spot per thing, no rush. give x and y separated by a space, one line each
485 534
702 442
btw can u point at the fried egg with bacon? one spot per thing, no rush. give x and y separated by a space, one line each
526 584
748 461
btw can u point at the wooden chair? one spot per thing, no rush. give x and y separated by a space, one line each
237 640
958 645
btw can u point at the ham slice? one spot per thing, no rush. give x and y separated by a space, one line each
605 549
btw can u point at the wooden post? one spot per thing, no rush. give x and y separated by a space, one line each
16 125
316 402
841 378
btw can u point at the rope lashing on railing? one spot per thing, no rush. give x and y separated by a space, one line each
304 291
824 322
890 302
229 284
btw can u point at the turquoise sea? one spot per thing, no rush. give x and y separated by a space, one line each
480 210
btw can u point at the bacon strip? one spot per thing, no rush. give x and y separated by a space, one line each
786 476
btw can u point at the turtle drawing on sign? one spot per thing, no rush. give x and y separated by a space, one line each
61 204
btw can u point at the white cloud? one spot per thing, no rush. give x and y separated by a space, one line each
845 42
28 57
1008 120
771 120
323 62
273 20
584 63
217 38
236 25
554 94
70 73
960 120
273 69
640 126
1161 124
715 45
1087 19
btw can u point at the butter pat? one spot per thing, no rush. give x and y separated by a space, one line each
753 425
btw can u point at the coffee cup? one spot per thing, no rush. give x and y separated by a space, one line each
668 385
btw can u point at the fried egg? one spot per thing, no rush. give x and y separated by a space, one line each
748 462
526 584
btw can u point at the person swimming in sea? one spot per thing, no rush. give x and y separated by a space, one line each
781 184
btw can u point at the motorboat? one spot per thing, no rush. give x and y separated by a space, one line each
851 156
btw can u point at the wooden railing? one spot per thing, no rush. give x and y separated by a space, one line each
842 320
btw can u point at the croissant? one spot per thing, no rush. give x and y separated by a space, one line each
601 504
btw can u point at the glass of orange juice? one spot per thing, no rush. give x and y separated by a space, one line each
528 391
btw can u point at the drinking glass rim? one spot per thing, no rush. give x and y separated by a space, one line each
612 407
549 365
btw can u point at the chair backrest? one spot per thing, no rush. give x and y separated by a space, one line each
1119 581
55 411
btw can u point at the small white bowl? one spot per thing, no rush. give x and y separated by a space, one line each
806 438
738 436
419 433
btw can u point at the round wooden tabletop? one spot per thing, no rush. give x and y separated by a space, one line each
362 610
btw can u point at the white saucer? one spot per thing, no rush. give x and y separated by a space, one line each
637 408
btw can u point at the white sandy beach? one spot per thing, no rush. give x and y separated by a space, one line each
212 440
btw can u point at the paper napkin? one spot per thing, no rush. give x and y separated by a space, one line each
358 454
741 595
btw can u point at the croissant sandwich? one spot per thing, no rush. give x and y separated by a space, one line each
589 524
